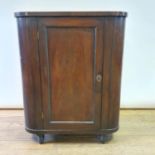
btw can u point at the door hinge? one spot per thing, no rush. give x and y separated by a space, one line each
42 115
37 35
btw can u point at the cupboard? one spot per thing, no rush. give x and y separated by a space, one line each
71 70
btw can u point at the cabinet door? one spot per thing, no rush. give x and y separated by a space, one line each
71 72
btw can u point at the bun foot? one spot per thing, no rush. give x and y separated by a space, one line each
41 138
105 138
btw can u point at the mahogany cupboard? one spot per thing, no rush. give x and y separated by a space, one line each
71 69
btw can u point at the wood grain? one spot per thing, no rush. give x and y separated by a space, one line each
78 14
72 81
71 57
30 72
136 136
63 56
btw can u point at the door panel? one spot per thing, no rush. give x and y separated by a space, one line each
71 82
70 56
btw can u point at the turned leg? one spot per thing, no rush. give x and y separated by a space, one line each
41 138
105 138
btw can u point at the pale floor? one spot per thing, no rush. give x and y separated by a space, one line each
136 136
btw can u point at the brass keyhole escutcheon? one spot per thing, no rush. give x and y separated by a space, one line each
98 78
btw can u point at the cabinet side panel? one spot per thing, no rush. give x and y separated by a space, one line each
116 70
113 50
27 30
107 43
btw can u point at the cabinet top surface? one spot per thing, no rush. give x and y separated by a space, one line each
63 14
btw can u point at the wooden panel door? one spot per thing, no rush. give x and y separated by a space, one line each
71 72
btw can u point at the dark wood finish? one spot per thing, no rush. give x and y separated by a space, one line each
104 138
30 72
71 68
41 138
113 45
70 14
70 90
